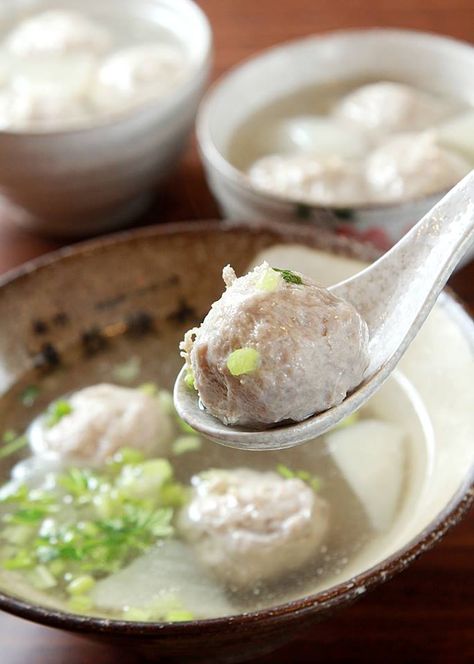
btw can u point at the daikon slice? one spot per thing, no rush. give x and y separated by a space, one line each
168 570
321 136
458 134
371 456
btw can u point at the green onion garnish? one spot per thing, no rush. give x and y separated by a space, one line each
57 411
12 445
269 281
29 395
185 444
289 276
189 378
312 480
89 523
243 361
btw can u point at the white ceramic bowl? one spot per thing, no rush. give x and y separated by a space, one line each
89 180
439 64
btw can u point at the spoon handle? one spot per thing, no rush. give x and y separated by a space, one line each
396 293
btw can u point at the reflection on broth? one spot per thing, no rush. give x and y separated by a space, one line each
105 536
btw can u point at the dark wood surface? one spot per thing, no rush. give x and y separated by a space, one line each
424 615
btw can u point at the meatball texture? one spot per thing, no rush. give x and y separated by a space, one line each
103 419
411 166
386 107
31 109
310 178
248 526
275 347
57 31
138 73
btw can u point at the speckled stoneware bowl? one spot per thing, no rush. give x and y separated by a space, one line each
75 183
153 284
439 64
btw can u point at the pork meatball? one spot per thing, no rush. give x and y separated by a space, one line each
248 526
138 73
310 178
409 166
275 347
97 421
57 31
40 109
385 108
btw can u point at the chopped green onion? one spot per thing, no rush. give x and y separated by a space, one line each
40 577
56 567
179 615
151 389
127 371
315 483
78 482
22 560
9 436
88 524
29 395
243 361
126 456
26 515
136 614
13 446
80 603
185 444
174 495
269 281
81 585
145 479
312 480
184 426
189 378
289 276
57 411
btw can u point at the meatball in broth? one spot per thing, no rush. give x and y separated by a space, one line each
248 526
98 421
275 347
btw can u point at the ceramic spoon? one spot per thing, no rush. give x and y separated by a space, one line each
394 295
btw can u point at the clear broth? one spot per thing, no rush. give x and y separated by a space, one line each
349 530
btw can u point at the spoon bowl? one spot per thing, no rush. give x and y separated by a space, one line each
394 295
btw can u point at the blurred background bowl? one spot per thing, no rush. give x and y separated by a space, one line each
438 64
92 179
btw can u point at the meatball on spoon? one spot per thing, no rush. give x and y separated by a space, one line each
393 296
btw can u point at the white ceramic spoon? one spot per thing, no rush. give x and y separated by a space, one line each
394 295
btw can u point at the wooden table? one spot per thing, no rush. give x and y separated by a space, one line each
424 615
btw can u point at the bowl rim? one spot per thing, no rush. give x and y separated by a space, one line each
166 104
320 602
212 155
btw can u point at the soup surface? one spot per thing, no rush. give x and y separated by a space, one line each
148 535
356 142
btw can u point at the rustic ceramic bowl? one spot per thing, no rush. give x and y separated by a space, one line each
93 179
428 61
170 275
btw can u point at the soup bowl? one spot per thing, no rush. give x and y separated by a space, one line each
100 176
431 62
82 297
